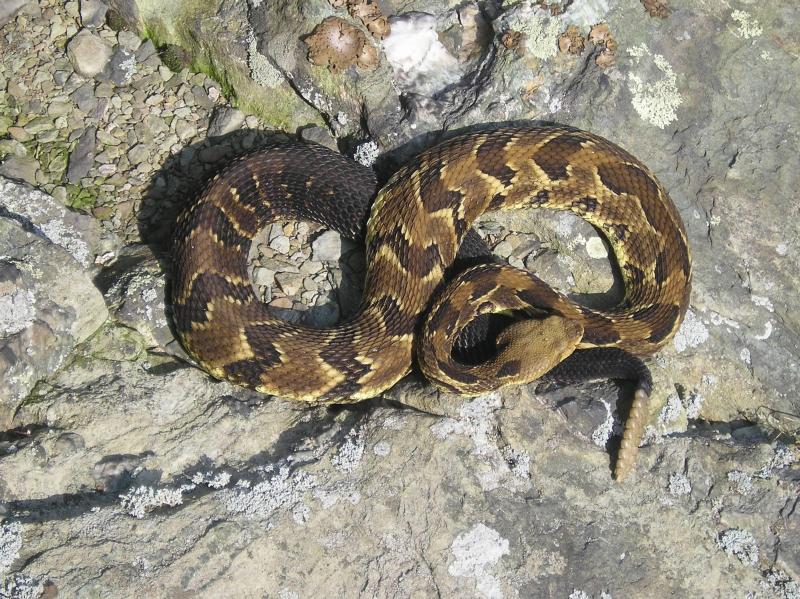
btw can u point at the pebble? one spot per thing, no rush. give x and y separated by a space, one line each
20 167
82 157
596 248
289 282
93 13
263 277
129 39
19 134
225 120
145 50
138 154
122 66
280 244
88 53
327 247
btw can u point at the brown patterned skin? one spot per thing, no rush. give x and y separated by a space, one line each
416 224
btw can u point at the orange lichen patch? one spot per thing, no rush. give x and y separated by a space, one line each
600 35
511 39
531 87
337 44
571 41
368 12
656 8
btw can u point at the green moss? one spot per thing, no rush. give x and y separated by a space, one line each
81 198
174 57
115 20
184 32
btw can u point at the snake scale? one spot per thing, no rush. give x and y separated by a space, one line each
413 232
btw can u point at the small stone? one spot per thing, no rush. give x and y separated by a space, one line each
185 130
128 39
8 8
164 73
138 154
145 50
102 212
93 13
107 169
225 120
280 244
318 135
82 157
201 97
310 267
88 53
22 168
283 303
39 124
59 108
596 248
19 134
323 316
327 247
122 66
503 249
263 277
289 282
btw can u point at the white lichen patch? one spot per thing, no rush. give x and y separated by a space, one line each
478 421
420 62
17 311
351 451
654 87
10 544
692 333
21 586
382 449
694 404
610 425
748 27
367 153
679 485
212 480
475 553
739 543
261 69
541 36
284 490
744 356
140 500
671 410
764 302
741 482
782 458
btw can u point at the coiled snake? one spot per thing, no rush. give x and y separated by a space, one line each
413 232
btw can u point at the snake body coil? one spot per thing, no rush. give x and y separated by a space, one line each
416 225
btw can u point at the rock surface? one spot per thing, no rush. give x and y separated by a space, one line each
126 471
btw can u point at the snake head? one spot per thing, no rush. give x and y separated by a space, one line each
537 345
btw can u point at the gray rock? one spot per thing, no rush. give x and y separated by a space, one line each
48 305
225 120
93 13
145 51
80 235
81 158
88 53
122 66
135 297
327 247
9 8
20 168
84 97
130 40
